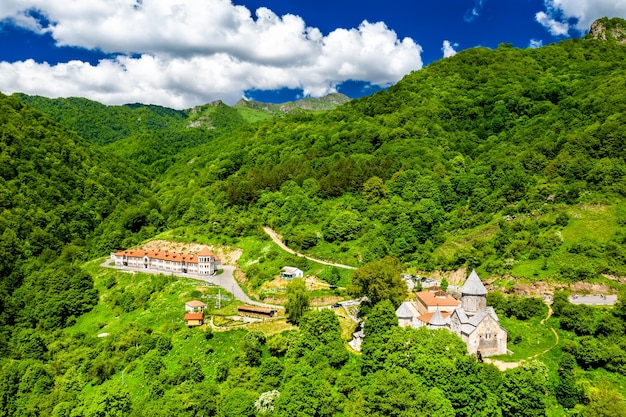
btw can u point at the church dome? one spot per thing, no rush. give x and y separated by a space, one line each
437 320
473 285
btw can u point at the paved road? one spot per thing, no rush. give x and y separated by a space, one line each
284 247
594 300
225 280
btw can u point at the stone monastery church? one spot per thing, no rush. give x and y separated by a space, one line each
476 323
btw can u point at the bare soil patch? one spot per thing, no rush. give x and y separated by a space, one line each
536 289
457 277
226 254
539 289
501 365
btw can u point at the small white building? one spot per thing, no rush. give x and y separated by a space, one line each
407 314
290 272
194 306
357 338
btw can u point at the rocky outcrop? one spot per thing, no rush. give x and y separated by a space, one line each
606 29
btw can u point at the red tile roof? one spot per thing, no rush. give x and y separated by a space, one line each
189 258
205 252
437 298
428 316
193 316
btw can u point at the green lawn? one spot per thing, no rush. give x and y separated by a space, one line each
596 222
159 301
534 339
161 312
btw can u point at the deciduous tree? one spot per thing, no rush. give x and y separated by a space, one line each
297 300
380 280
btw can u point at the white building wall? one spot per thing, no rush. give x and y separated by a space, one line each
204 266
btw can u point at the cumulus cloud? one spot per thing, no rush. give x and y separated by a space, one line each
559 14
189 52
555 27
535 43
448 49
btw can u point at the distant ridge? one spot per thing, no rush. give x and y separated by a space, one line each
254 111
327 102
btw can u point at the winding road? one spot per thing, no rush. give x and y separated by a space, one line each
276 238
225 280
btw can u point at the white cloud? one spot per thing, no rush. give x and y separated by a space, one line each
555 27
474 12
559 13
448 49
534 43
190 52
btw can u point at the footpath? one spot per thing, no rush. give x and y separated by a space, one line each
503 366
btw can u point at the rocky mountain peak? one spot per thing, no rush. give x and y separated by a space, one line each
608 29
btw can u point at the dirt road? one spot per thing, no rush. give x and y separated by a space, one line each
277 239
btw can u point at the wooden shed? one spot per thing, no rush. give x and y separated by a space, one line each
254 311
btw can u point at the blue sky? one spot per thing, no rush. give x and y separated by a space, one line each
182 53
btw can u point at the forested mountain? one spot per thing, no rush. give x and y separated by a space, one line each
103 124
499 159
55 191
153 135
306 104
510 161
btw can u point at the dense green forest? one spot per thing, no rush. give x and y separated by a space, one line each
507 160
510 161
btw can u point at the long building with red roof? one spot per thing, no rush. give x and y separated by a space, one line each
201 263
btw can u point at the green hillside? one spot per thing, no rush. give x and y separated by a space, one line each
510 161
57 194
153 135
489 159
103 124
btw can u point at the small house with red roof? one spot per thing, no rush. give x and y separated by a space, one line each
194 319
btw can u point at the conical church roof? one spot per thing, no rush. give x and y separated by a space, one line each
437 320
473 285
404 311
